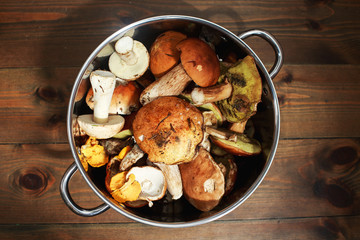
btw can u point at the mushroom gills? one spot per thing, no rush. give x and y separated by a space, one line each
152 182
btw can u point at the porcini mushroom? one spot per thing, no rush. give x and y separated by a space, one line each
171 84
169 130
100 124
163 53
199 61
131 59
203 181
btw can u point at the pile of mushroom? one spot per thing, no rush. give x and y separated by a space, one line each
176 133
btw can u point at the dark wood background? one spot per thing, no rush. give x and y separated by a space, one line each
312 189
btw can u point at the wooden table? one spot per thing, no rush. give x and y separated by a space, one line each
312 189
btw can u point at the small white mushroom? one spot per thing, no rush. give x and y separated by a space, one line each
99 124
131 59
152 181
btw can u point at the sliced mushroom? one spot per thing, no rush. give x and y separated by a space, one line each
99 124
243 146
173 179
152 182
131 59
211 94
203 181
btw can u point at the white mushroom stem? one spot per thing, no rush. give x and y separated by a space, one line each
99 124
171 84
173 179
226 135
214 93
124 46
103 84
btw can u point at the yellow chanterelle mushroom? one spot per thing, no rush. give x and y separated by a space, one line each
93 153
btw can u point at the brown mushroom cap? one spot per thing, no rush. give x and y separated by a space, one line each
229 169
163 53
243 146
199 61
125 98
168 129
203 181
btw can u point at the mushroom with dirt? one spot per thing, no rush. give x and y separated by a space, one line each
100 124
168 129
130 59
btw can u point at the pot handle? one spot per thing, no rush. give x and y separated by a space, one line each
65 194
274 44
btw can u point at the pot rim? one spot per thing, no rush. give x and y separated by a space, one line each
257 181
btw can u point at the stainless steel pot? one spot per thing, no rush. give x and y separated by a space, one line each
252 170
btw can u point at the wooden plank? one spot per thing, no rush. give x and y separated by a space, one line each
35 101
64 34
319 101
308 228
308 178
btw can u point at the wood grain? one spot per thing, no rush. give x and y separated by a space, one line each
35 109
307 178
312 188
64 34
308 228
